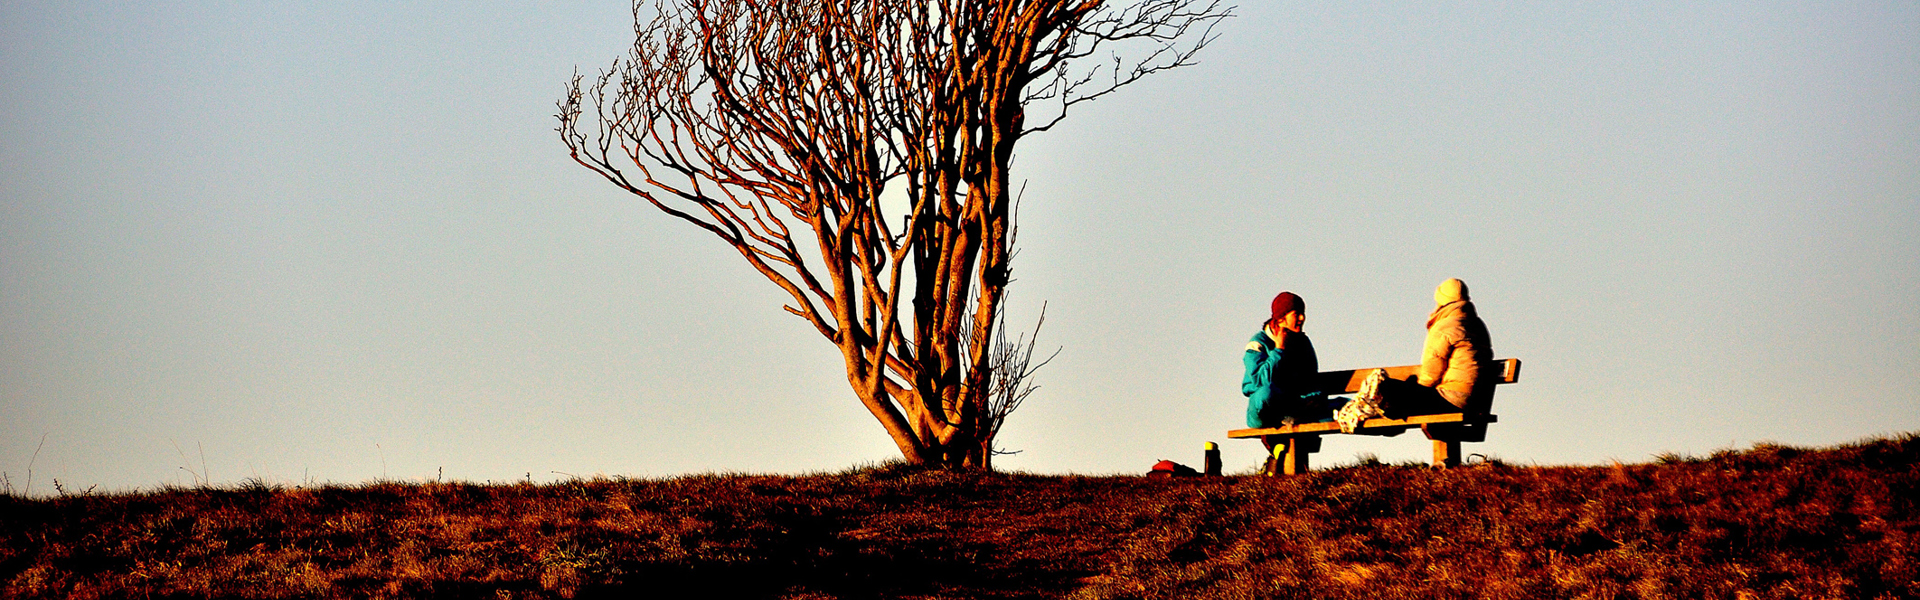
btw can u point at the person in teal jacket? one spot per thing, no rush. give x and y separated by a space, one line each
1280 369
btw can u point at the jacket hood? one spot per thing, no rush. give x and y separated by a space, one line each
1457 308
1451 290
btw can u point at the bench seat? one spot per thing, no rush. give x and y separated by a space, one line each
1379 426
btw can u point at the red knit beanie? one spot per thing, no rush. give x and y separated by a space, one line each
1285 303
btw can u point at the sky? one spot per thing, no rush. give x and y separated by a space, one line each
305 242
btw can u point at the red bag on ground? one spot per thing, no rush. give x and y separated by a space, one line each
1167 468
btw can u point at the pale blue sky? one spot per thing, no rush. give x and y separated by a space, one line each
336 241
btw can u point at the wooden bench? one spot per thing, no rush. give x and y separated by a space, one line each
1446 430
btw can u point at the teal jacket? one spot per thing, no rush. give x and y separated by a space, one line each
1279 383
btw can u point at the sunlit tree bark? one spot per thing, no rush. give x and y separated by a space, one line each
857 154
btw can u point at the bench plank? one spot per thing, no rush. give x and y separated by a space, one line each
1370 425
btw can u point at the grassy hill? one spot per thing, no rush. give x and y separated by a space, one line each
1769 522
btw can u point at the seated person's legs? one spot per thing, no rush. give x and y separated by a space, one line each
1407 399
1267 409
1320 408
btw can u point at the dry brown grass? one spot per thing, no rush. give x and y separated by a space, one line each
1770 522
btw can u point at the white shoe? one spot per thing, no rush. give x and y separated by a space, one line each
1370 387
1366 403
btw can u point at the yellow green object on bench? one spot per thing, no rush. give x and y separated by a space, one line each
1292 444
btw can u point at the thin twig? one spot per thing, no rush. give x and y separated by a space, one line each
31 461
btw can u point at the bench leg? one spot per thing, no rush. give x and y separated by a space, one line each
1297 453
1288 455
1446 453
1446 444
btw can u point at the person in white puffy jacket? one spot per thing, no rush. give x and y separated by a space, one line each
1457 344
1449 377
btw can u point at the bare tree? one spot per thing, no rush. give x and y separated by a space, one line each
857 154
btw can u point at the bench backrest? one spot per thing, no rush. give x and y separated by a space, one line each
1506 370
